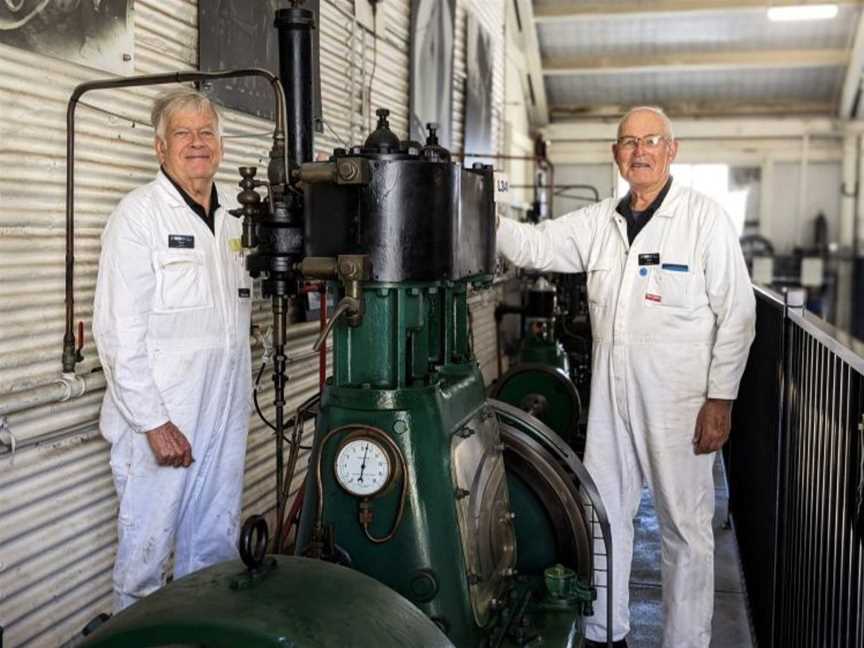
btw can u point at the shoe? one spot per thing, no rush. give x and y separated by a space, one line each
621 643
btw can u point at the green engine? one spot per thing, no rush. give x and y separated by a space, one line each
540 381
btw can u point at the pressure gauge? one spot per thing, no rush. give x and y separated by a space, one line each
364 467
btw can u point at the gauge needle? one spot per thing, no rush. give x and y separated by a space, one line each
363 463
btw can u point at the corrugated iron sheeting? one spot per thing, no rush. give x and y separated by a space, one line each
491 16
57 501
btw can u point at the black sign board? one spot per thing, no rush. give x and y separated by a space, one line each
240 34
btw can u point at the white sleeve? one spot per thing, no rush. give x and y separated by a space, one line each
124 295
559 245
730 296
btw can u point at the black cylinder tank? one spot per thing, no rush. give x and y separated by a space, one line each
418 220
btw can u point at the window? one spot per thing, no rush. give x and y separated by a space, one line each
713 181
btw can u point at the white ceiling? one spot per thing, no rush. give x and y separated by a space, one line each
694 57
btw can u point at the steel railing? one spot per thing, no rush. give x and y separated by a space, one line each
795 465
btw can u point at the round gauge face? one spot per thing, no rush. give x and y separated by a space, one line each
362 467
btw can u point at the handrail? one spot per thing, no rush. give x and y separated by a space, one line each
847 347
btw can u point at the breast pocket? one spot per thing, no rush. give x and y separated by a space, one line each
674 288
181 281
598 281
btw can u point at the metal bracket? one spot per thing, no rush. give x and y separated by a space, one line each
6 436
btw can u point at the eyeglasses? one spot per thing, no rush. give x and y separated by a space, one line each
188 134
650 142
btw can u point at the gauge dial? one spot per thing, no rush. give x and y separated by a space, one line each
363 467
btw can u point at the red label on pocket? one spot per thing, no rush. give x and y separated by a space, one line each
653 297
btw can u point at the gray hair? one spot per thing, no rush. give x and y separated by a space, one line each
168 104
657 110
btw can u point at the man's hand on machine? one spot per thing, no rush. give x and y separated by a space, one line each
712 426
169 446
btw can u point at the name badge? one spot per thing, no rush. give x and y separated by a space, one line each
244 293
649 259
181 241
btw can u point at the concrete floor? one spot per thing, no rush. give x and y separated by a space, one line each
731 627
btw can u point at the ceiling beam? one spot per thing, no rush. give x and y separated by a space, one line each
692 61
697 109
850 99
755 128
591 9
538 108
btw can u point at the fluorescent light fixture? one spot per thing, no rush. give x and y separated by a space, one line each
802 12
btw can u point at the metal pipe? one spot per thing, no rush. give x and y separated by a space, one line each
279 362
345 305
69 358
496 156
68 387
294 26
322 361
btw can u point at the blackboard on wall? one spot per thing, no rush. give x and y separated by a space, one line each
240 34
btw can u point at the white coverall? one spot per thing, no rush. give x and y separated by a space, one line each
667 335
171 322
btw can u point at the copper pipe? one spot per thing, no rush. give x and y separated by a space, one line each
70 358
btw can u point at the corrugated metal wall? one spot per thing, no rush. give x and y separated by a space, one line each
57 503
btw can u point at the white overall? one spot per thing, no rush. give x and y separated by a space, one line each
171 322
672 318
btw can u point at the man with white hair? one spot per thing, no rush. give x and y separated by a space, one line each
171 321
672 315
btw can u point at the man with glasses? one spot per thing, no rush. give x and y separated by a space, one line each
171 321
672 315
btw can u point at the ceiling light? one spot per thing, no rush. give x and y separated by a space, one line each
802 12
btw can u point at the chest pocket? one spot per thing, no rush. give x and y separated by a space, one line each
181 281
599 279
675 288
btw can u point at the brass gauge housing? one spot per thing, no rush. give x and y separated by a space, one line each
365 466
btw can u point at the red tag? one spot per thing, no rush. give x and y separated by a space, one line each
653 297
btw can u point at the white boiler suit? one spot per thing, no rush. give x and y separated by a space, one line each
171 322
667 335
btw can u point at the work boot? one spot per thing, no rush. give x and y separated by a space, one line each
621 643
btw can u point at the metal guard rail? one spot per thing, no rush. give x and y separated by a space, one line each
795 465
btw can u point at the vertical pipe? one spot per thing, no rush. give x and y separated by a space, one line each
279 379
766 198
802 186
294 26
322 357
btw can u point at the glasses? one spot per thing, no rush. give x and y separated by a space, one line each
650 142
188 134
